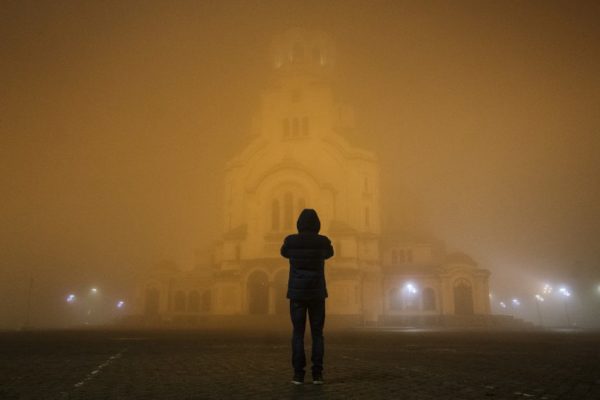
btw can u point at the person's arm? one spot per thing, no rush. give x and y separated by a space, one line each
287 247
328 249
284 249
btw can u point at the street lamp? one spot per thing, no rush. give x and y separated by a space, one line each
566 294
410 288
120 304
94 290
539 299
547 289
71 298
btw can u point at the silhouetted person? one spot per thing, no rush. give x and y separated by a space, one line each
307 290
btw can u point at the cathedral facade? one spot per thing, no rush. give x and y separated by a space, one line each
299 158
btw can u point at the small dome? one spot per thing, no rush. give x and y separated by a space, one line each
459 258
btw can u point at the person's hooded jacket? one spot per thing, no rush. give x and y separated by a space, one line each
307 251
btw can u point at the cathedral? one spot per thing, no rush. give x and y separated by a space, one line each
299 158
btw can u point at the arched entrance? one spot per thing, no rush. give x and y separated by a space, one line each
395 299
257 289
463 297
428 299
206 301
152 301
280 283
179 301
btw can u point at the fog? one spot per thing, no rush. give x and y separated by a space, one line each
117 119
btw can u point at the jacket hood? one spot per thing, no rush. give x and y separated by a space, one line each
308 221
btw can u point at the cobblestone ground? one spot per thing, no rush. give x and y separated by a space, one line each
359 364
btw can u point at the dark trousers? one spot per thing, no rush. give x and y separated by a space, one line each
316 314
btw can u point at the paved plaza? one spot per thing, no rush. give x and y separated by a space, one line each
367 364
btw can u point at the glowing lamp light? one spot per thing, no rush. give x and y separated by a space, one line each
565 292
502 304
71 298
411 288
94 290
547 289
120 304
516 302
539 298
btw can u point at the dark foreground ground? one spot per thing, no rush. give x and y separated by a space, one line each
367 365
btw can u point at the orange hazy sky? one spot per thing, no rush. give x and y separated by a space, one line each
116 120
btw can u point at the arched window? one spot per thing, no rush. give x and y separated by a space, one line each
275 215
295 127
284 210
238 252
409 256
288 211
179 301
194 301
305 126
316 55
286 127
394 257
428 299
301 205
463 297
367 217
152 301
298 52
402 256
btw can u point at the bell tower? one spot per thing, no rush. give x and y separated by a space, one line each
298 106
303 53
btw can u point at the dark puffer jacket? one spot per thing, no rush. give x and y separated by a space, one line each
307 251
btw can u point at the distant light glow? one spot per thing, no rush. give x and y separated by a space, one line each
94 290
411 288
516 302
565 292
539 298
120 304
547 289
502 304
71 298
